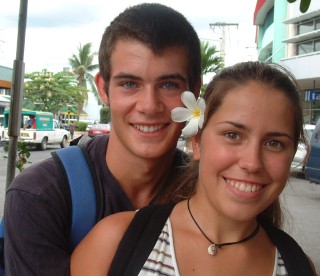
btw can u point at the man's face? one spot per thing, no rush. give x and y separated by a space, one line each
143 90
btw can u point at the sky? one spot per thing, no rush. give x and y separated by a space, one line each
55 29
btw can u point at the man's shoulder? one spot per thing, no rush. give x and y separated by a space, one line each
38 177
90 142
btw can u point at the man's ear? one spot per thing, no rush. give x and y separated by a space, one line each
101 85
196 147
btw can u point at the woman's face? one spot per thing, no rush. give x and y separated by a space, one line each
246 151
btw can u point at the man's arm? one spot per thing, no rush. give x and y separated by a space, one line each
36 224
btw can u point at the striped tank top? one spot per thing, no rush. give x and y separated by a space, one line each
162 259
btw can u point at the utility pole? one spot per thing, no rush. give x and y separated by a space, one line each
16 93
223 26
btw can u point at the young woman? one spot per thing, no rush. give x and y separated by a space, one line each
242 154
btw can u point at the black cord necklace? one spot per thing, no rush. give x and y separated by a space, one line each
212 249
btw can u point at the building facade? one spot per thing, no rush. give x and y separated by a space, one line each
292 39
5 87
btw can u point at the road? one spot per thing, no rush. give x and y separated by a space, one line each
301 204
300 201
35 157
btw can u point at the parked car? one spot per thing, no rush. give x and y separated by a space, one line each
99 129
312 168
299 158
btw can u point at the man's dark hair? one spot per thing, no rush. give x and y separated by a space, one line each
158 27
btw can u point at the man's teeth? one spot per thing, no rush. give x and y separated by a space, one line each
244 187
144 128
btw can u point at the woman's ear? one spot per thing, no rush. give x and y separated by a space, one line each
101 85
196 147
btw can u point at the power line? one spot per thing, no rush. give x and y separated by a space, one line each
223 26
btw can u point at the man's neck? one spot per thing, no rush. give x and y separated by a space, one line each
141 179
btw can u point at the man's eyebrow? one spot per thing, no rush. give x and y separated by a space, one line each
173 76
126 76
271 134
161 78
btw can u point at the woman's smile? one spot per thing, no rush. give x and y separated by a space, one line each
243 186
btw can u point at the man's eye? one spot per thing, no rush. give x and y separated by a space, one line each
129 85
170 86
232 135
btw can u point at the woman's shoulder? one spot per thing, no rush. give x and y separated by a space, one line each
95 252
113 226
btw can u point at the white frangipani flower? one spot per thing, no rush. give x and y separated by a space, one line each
193 113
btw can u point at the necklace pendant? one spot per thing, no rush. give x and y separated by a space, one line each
212 249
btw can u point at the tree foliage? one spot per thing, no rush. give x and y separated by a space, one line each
211 61
23 153
82 65
304 4
48 91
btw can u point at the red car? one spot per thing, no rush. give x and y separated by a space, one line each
99 129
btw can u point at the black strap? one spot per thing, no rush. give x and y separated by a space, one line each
139 240
295 260
145 228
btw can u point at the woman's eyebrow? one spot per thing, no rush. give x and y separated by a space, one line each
235 124
269 134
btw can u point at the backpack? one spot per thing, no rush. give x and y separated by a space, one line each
86 195
146 226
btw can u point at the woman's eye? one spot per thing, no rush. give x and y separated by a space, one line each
232 135
275 144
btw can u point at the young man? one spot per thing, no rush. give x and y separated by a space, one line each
148 56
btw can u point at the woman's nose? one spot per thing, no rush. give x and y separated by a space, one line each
250 158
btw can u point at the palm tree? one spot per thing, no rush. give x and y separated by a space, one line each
211 61
82 66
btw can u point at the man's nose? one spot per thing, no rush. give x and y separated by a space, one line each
150 101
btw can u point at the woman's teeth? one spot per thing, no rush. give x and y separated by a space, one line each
244 187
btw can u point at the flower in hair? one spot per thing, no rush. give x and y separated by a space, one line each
193 113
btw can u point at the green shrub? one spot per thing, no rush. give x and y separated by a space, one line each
105 115
23 154
81 126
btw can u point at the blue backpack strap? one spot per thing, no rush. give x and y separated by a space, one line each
2 228
2 273
86 194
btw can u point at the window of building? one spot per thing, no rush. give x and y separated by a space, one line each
317 45
305 47
317 24
306 27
